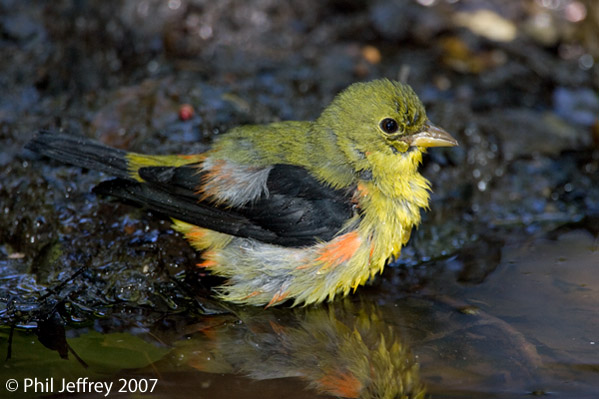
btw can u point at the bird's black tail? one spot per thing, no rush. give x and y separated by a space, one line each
82 152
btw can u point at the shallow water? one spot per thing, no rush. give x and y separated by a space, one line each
535 327
529 329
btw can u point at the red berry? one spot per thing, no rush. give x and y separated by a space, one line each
185 112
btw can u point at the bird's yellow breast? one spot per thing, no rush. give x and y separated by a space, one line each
390 203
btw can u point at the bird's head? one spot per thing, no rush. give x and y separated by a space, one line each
384 116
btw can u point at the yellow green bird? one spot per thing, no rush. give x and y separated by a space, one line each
301 211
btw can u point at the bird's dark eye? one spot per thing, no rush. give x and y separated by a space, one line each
389 125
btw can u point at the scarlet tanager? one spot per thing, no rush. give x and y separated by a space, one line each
290 210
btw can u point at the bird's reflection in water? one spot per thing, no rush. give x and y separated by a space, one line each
342 349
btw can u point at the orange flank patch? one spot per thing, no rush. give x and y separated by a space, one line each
253 294
340 250
196 234
278 297
341 384
207 261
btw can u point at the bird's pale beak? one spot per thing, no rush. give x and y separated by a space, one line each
430 136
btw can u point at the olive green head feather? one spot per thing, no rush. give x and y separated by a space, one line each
381 115
375 115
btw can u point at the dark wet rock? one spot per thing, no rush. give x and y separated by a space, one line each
579 106
20 27
392 19
523 133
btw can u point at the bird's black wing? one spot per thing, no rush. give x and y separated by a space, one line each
300 207
297 211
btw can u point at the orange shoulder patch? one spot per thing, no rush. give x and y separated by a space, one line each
217 174
360 192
